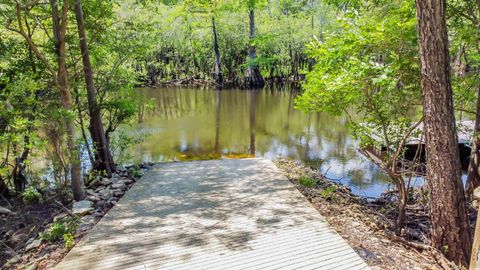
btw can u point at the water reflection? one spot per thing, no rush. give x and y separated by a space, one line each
189 124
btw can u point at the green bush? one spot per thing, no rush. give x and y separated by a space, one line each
307 181
59 229
68 240
328 193
31 195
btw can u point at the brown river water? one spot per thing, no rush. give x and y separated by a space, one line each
193 124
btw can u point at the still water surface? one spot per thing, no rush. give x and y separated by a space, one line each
186 124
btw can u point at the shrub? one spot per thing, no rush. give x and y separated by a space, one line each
68 240
31 195
59 229
307 181
328 193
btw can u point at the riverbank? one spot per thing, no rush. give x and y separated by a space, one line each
38 234
366 225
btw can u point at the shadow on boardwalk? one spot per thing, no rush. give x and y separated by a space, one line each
224 214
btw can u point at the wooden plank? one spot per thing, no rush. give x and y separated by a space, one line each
222 214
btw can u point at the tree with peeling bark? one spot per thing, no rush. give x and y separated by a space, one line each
450 226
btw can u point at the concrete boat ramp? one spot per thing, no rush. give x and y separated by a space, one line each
220 214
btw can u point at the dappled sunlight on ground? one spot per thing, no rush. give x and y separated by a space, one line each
222 214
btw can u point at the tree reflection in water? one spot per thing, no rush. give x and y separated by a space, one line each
192 124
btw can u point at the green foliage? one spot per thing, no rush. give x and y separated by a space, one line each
120 143
329 193
137 173
62 229
371 67
68 240
186 49
307 181
31 195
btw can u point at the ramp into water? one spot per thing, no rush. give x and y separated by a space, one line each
219 214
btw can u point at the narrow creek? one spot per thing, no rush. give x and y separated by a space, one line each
191 124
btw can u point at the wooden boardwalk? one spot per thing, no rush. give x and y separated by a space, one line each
221 214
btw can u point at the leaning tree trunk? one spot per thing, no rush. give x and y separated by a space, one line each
473 175
218 68
253 79
103 156
450 228
66 98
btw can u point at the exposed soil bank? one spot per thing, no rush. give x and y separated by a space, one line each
368 225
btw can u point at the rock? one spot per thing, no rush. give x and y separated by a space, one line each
112 201
119 185
82 208
93 198
91 192
106 194
128 181
118 192
35 244
121 168
95 182
100 188
32 266
100 203
59 217
366 254
5 211
115 175
14 260
85 223
106 182
115 180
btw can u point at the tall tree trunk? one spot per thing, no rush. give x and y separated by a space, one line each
254 79
218 68
104 160
59 30
450 228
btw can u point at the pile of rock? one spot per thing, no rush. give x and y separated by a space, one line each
105 192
